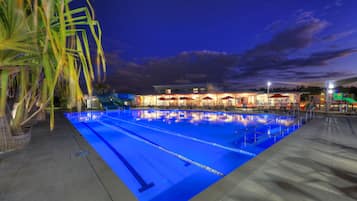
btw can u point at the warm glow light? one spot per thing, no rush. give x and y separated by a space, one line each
213 99
262 120
285 122
229 118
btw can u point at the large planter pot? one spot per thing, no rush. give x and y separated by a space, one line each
21 139
10 140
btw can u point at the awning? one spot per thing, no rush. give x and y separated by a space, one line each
162 98
227 98
186 98
278 96
207 98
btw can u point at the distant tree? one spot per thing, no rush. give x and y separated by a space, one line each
101 89
353 90
312 90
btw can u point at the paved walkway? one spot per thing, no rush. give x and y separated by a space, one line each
58 166
318 162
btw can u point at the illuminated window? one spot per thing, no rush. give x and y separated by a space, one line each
195 90
168 91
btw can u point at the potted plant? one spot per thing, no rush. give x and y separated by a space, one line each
44 45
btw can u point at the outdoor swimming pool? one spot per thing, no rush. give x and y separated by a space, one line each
175 154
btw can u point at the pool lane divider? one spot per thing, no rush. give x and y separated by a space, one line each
185 137
144 185
139 138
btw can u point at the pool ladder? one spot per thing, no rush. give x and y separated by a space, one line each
283 129
307 116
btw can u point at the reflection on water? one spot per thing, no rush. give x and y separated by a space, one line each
216 117
170 116
247 129
85 116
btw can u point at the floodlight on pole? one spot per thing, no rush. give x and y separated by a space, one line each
268 88
269 83
330 86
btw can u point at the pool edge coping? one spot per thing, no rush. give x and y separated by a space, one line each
116 188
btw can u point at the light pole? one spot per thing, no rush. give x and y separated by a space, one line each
268 88
330 86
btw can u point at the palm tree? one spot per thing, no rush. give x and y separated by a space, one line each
44 45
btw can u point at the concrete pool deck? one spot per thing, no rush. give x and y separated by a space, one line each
317 162
58 166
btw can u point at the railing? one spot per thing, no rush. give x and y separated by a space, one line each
305 116
310 114
301 117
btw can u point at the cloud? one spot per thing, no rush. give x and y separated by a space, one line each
338 36
303 16
186 67
275 53
295 75
274 59
291 39
278 54
337 3
275 25
317 59
209 67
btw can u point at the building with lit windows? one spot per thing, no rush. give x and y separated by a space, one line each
211 96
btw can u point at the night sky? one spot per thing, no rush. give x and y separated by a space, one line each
238 44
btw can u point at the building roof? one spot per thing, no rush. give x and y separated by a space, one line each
183 85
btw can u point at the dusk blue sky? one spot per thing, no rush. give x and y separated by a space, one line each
239 44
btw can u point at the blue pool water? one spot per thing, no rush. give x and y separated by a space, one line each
175 154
